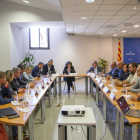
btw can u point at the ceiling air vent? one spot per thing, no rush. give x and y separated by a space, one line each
109 26
127 25
70 34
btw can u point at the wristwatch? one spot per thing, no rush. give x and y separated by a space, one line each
138 98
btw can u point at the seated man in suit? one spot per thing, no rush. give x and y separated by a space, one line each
37 70
113 72
17 84
94 69
120 72
4 90
48 68
136 87
132 79
22 70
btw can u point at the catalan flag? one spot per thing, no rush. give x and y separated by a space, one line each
119 51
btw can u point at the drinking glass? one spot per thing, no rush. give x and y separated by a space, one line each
15 97
133 105
20 104
48 75
124 88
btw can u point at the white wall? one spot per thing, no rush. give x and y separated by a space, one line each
12 12
15 45
81 50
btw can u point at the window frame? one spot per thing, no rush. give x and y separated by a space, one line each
39 48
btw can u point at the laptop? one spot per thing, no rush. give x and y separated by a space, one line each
127 111
7 111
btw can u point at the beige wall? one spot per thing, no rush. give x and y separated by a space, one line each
81 50
12 12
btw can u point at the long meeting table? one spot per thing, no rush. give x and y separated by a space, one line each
29 116
119 123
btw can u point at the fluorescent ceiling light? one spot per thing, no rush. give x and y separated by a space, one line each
89 1
83 17
134 8
123 31
115 34
80 26
26 1
101 33
136 26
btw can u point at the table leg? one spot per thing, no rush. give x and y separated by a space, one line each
91 132
20 133
49 97
86 85
59 85
97 95
91 87
31 127
104 108
54 88
134 132
42 109
117 125
62 132
121 126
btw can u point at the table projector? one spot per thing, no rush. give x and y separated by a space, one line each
73 110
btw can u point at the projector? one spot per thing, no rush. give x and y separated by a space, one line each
73 110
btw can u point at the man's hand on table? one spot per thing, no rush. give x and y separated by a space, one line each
134 98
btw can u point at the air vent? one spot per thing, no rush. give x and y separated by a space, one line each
70 34
109 26
127 25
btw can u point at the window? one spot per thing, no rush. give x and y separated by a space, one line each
39 38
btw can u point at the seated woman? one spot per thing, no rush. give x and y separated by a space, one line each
126 72
9 79
69 69
27 77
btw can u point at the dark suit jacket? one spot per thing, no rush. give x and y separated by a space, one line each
113 72
36 72
124 76
99 69
45 69
17 83
5 92
72 71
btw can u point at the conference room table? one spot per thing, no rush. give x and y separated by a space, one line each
119 125
29 116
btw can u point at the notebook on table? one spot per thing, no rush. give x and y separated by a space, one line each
7 111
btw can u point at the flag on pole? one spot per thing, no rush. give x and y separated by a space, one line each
119 51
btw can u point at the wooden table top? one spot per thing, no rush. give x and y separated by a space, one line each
131 120
37 99
20 121
78 75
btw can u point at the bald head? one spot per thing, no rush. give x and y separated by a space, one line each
138 71
120 65
113 65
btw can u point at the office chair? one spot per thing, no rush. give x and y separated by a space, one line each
73 85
